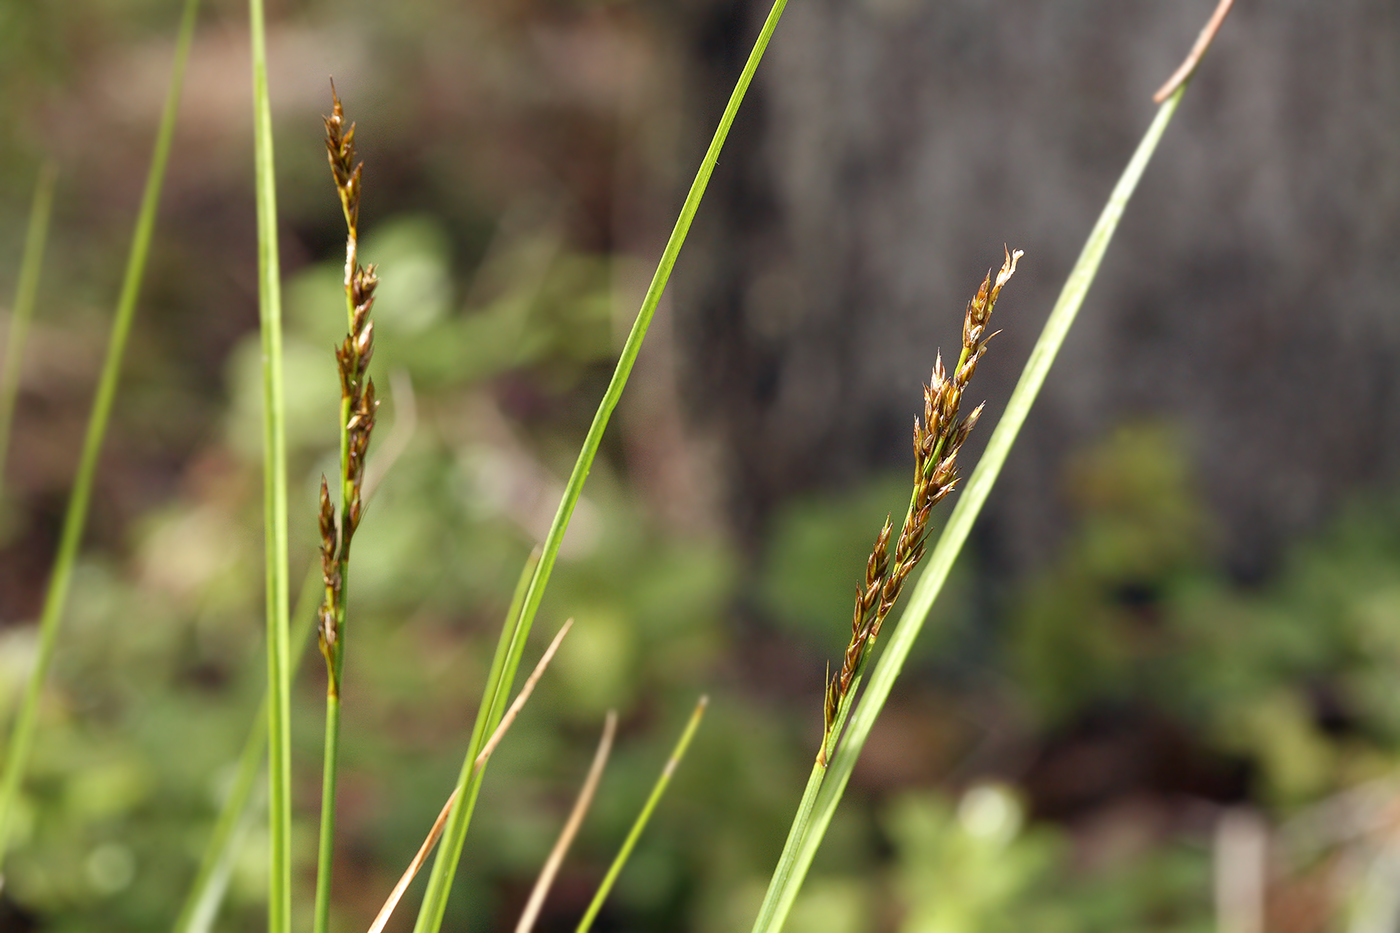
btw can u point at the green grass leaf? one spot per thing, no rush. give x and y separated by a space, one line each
826 785
31 261
642 818
206 893
434 905
279 905
75 520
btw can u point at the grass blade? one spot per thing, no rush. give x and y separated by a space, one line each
22 736
279 904
356 422
1198 51
502 727
31 261
206 892
202 904
489 720
445 867
504 723
571 826
806 834
635 833
202 901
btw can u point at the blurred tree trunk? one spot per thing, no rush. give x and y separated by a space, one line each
890 147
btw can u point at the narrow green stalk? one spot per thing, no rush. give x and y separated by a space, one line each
535 903
325 848
504 664
450 851
357 410
501 675
642 818
35 238
279 903
808 829
22 737
201 906
206 893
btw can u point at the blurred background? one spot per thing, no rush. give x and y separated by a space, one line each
1160 690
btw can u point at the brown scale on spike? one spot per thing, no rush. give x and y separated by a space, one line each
937 441
357 398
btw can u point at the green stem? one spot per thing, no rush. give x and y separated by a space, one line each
809 828
326 848
454 837
325 851
640 823
488 716
279 905
202 906
206 893
22 738
32 260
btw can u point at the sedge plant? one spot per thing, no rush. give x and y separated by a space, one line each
507 660
842 742
848 712
357 411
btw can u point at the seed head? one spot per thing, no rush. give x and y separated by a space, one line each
937 440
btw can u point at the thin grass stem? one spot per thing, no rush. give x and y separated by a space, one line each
357 417
807 831
1198 51
325 847
503 724
207 890
640 824
206 893
75 520
502 727
279 903
201 907
26 289
468 782
545 881
434 905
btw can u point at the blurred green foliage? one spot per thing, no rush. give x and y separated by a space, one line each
159 671
506 276
1294 676
1089 628
975 867
159 675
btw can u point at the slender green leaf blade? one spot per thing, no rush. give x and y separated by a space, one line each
450 850
75 520
206 893
504 664
31 261
644 817
279 904
810 827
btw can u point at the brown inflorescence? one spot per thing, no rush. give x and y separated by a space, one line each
358 402
937 440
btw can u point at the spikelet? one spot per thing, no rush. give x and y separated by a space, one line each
358 402
937 440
